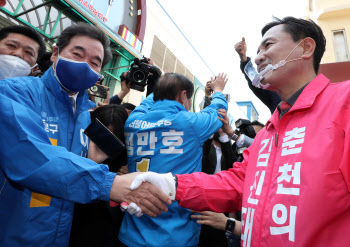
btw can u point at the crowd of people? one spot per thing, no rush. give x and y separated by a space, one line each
183 178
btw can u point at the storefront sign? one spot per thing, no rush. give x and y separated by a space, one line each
108 12
129 37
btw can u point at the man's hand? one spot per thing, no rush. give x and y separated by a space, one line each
221 132
125 89
165 182
150 61
208 89
148 197
226 127
241 49
216 220
218 84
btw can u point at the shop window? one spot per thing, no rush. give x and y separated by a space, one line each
340 46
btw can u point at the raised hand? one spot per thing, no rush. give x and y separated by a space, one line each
226 127
241 49
218 84
208 89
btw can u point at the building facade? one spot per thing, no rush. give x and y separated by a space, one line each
248 109
334 19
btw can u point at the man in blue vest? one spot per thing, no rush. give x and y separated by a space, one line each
43 148
162 136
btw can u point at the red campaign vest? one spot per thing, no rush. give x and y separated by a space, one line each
295 179
296 190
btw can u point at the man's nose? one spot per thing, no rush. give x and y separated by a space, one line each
18 53
259 58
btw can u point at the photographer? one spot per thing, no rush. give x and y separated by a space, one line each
243 135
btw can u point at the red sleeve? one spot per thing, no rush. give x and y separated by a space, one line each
220 193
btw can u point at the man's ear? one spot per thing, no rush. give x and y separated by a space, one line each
309 48
54 55
181 96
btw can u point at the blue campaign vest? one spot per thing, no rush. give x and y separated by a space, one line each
163 137
28 218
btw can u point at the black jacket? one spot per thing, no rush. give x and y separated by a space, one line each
209 156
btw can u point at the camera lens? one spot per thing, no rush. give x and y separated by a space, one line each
139 76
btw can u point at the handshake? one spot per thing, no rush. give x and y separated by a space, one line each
147 192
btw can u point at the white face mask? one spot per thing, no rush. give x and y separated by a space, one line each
12 66
257 78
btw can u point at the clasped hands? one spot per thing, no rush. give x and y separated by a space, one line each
144 193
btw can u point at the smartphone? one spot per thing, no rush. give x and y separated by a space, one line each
104 139
98 91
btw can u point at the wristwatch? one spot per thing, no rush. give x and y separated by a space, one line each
230 225
234 137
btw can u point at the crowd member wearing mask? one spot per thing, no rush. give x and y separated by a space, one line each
298 166
43 166
161 135
20 48
218 221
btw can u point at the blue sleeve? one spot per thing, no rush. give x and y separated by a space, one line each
29 160
206 122
14 89
142 109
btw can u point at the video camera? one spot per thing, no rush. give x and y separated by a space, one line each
243 126
138 74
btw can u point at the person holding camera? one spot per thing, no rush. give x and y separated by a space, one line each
143 72
163 136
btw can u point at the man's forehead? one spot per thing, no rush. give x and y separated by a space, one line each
86 42
276 33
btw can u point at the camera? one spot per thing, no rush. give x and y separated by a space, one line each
98 91
138 74
243 126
